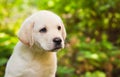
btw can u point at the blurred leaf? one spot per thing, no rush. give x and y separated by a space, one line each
65 70
2 61
95 74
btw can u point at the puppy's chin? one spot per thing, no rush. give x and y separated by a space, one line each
55 49
52 50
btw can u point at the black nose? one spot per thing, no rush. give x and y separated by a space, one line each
57 40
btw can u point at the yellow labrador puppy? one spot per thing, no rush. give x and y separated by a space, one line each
40 36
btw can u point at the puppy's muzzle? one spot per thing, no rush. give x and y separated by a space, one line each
57 43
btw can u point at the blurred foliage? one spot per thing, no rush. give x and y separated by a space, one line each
93 41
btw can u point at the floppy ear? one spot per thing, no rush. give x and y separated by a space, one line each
25 33
63 32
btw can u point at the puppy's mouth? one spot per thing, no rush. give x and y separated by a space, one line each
56 47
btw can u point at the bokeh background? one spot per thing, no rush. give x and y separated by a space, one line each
93 34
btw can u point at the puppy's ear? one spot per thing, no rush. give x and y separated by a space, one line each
26 31
63 32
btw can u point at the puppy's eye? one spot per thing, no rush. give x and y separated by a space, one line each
43 30
59 27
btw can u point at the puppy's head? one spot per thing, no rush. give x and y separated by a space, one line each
44 30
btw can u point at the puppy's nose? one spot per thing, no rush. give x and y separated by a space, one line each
57 40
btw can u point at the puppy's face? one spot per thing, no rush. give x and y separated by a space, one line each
48 34
48 31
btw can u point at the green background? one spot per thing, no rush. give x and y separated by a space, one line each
93 34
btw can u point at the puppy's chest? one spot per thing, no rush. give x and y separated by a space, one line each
41 68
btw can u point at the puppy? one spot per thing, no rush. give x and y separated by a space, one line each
40 36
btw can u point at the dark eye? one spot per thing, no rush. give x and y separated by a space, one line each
59 27
43 30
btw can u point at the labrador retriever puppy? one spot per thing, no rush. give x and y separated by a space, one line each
40 35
